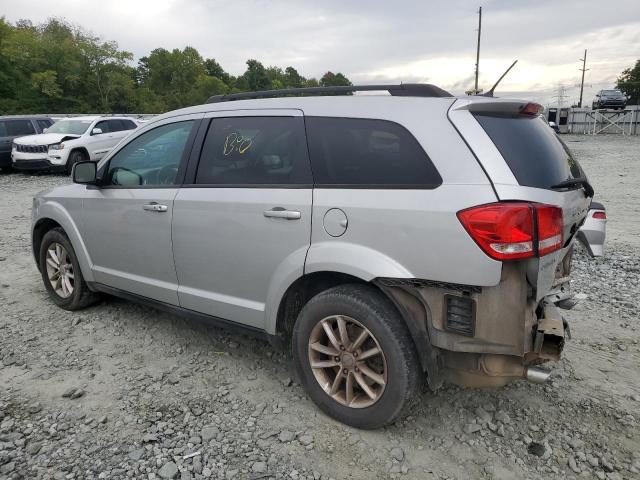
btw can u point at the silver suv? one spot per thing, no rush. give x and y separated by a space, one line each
387 238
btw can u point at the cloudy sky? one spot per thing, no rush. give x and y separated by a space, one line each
379 41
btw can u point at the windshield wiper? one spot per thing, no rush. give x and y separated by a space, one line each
572 182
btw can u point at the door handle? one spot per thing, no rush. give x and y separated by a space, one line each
279 212
155 207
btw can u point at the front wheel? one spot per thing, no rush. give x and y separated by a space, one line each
354 356
61 272
75 157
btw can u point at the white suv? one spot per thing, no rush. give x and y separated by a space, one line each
69 141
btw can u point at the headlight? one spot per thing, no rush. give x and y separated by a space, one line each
57 146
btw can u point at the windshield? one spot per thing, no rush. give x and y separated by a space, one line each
534 153
612 93
72 127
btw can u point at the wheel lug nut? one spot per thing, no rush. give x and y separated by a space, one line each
337 359
341 347
356 369
345 371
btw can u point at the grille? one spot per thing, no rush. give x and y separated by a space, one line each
32 148
460 314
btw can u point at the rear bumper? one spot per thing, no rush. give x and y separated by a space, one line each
507 333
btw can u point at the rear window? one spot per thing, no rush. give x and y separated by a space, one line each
534 153
355 152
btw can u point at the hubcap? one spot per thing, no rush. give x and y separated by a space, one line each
60 270
347 361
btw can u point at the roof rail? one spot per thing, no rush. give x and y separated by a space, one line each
401 90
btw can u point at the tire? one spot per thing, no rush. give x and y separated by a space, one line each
74 157
360 307
79 296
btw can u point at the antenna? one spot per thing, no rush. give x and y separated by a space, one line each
490 92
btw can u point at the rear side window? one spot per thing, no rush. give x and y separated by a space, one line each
115 125
254 151
129 124
353 152
16 128
534 153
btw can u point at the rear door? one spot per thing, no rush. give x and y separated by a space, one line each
526 160
242 221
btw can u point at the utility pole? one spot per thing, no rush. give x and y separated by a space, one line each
475 86
583 69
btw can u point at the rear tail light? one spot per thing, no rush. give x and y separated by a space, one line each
600 215
549 228
513 230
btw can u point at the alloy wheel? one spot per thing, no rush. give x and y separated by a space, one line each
60 270
347 361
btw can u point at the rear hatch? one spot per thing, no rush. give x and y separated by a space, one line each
526 161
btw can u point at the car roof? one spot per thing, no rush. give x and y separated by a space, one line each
356 106
25 117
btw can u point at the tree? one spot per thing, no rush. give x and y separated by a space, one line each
629 83
331 79
256 76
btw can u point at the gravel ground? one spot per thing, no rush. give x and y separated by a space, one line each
123 391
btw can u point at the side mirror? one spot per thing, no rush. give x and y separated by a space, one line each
84 173
96 131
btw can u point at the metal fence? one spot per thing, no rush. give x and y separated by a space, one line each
595 122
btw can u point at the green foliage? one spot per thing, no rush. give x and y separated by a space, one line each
629 83
56 67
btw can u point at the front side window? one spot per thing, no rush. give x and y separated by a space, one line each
104 126
254 151
365 152
152 159
16 128
71 127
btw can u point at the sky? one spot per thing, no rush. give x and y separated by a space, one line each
377 41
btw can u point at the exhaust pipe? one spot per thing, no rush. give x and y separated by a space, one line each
536 375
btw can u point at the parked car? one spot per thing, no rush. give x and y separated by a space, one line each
593 232
69 141
12 127
613 99
386 238
554 127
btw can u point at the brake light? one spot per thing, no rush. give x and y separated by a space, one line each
549 228
531 109
600 215
507 231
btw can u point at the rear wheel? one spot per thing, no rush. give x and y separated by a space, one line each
75 157
354 356
61 272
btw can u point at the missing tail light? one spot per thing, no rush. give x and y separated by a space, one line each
531 109
514 230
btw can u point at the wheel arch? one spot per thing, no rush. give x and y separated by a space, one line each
411 307
53 215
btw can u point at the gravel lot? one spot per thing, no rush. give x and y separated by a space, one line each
124 391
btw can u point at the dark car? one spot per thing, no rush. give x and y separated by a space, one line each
18 126
613 99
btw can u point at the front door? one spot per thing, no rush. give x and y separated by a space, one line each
127 221
243 225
